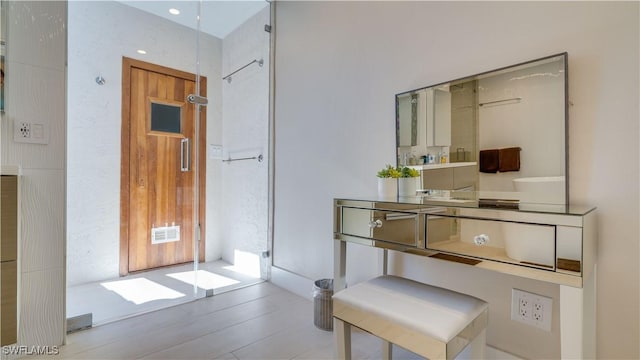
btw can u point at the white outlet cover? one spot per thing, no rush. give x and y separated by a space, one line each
215 152
31 132
535 301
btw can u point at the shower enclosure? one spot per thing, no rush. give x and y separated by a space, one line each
167 152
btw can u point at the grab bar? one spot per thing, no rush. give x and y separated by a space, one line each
259 158
228 77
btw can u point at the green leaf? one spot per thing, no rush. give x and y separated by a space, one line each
388 172
407 172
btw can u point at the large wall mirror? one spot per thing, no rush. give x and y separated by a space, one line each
502 133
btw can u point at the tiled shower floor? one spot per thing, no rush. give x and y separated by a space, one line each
143 292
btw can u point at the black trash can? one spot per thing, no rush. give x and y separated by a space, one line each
323 304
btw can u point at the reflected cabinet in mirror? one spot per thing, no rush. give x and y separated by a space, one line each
501 133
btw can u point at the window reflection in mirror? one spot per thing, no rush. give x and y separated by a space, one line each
501 133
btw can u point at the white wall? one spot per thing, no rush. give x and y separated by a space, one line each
100 34
338 66
34 92
244 192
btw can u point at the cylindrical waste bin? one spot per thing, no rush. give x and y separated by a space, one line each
323 304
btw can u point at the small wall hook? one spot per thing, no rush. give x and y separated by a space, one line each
100 80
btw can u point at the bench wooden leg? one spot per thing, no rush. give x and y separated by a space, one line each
342 332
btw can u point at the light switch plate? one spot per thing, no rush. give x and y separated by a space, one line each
215 152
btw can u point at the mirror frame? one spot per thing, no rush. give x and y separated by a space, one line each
484 74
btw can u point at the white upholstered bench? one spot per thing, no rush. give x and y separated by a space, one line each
430 321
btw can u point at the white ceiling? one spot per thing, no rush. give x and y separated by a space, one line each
217 18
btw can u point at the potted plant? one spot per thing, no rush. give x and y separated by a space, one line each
388 181
408 181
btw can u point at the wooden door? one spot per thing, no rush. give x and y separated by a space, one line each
158 170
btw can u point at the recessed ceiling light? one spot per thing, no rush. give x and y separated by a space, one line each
174 11
141 52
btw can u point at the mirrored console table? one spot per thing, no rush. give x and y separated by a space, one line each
550 243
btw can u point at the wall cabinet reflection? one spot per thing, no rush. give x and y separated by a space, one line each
424 118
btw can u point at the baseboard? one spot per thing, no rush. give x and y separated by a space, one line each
80 322
493 353
292 282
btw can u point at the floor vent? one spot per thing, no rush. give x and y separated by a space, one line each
165 234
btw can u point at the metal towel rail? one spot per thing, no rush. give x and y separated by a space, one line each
228 77
259 158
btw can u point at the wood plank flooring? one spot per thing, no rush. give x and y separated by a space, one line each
261 321
175 283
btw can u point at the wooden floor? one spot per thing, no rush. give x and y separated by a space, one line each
122 297
262 321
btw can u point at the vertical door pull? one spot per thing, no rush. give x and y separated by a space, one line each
185 155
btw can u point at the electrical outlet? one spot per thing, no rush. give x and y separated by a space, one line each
24 130
531 309
524 308
537 311
31 132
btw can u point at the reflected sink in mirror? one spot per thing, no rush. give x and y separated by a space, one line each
526 244
541 190
529 244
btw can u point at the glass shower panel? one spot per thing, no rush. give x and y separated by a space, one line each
199 100
111 272
245 142
156 79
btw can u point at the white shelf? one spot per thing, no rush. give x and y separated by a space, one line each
442 166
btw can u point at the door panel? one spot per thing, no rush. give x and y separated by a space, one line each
158 215
161 195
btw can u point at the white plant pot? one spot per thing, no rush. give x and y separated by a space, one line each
407 186
387 188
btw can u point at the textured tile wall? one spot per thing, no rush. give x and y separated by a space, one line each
35 92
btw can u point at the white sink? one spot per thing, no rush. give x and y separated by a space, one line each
541 190
529 243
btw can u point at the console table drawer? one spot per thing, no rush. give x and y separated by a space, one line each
398 227
510 242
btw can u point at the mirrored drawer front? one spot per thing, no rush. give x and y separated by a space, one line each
391 226
516 243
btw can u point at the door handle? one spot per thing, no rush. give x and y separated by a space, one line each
185 155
